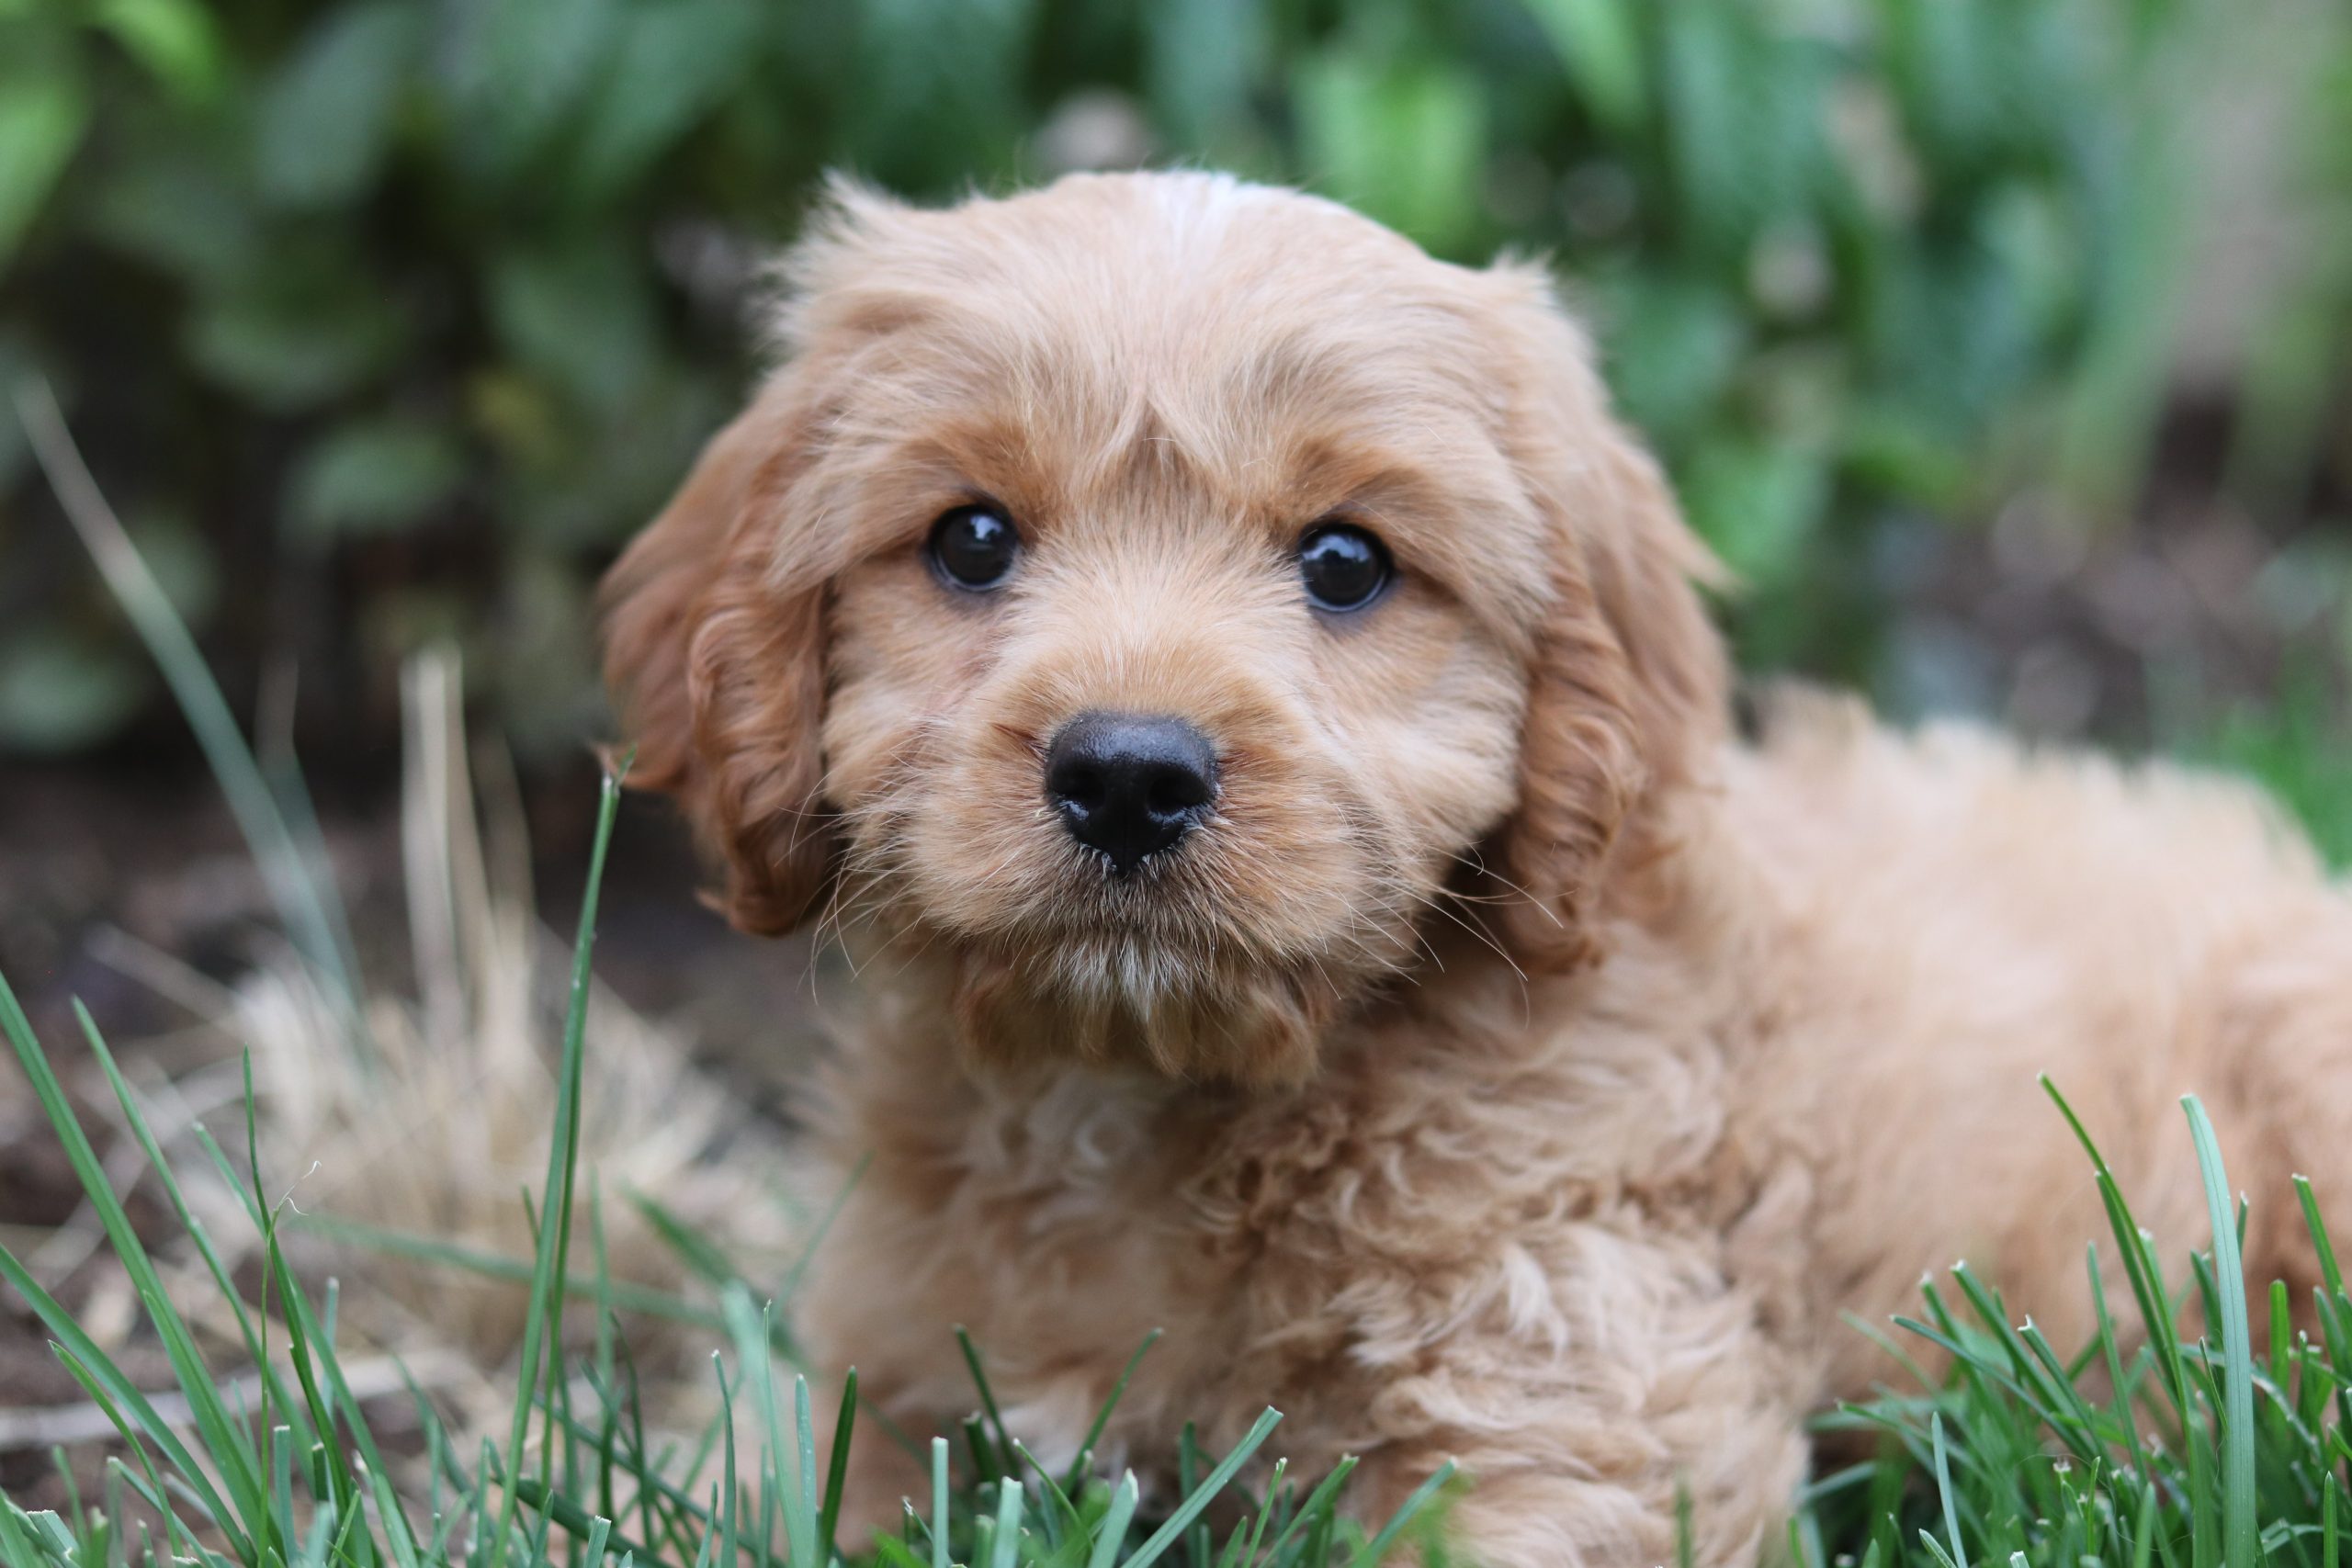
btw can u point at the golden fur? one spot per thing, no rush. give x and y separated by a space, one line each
1516 1067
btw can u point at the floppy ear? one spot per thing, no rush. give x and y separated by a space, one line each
1628 685
714 617
717 670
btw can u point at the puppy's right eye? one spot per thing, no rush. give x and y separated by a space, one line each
973 547
1344 567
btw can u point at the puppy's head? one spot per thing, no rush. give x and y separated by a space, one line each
1162 599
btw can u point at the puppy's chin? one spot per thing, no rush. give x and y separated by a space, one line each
1172 972
1113 1000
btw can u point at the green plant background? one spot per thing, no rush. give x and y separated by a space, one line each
386 321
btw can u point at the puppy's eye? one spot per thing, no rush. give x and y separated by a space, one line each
974 547
1344 567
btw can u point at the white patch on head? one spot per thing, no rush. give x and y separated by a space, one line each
1197 208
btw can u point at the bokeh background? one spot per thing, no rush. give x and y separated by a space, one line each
2000 346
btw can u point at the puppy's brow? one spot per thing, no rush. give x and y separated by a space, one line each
992 462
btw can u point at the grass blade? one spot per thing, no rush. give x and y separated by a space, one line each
1944 1490
1111 1535
1172 1529
246 1509
939 1503
311 915
1377 1547
1077 1472
836 1470
1006 1542
543 1325
2240 1530
1006 1461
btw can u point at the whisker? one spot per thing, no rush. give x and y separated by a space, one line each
1475 863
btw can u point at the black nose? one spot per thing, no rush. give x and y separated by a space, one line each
1127 785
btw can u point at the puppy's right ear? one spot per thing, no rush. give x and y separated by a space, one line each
1627 691
717 669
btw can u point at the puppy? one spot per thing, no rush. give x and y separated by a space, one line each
1241 702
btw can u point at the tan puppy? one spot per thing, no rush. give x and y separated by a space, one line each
1240 699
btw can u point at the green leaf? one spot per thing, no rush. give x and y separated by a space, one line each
325 119
1890 450
1759 503
1171 1529
241 1514
175 39
674 62
373 476
580 312
307 902
181 559
60 693
44 109
1742 113
1673 343
1701 71
173 207
1598 42
940 93
294 334
1377 1547
1109 1535
1202 57
1402 140
516 71
543 1324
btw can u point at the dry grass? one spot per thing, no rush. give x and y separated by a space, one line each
430 1123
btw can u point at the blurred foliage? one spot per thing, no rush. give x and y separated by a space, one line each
387 320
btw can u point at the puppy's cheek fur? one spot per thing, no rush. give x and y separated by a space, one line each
979 844
1448 767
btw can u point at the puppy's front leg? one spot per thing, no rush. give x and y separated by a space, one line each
1649 1377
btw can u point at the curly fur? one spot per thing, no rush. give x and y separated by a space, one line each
1515 1067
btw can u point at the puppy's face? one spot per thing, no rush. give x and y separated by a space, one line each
1159 598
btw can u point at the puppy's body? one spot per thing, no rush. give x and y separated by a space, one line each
1507 1066
1594 1235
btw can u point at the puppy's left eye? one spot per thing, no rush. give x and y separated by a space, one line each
1344 567
974 547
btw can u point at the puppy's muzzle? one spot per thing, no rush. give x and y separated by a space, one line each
1130 786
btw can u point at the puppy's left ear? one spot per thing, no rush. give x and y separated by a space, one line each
714 617
1628 682
717 670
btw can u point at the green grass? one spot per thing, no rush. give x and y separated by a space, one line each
303 1480
2147 1447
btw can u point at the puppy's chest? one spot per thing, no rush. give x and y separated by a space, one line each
1344 1174
1253 1244
1271 1237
